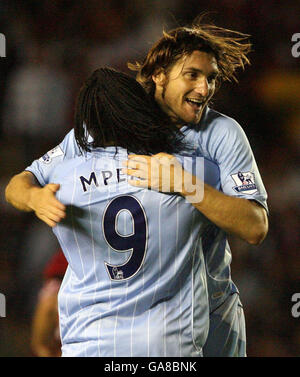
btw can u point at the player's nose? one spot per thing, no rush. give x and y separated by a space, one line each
202 87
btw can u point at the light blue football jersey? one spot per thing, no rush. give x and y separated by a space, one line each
230 167
136 280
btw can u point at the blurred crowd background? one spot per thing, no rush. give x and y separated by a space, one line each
53 45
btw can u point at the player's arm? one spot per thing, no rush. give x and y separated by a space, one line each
25 193
242 217
245 218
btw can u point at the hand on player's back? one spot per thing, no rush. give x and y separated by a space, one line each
160 172
46 206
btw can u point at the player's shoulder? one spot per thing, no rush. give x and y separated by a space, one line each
220 133
69 138
220 129
66 150
69 145
215 122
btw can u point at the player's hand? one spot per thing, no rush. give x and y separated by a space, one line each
161 172
45 205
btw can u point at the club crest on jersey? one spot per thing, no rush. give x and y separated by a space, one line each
245 182
55 152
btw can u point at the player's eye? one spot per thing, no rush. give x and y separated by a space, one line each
191 75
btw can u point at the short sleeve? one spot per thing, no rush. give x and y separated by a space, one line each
43 167
239 174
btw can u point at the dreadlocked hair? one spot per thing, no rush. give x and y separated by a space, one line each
114 109
229 47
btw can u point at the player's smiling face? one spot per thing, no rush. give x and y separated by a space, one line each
185 91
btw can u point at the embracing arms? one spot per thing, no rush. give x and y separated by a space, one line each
245 218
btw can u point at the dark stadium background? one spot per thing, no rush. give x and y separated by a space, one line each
52 45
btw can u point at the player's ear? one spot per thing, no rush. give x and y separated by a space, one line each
159 78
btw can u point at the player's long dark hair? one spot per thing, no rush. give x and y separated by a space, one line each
114 109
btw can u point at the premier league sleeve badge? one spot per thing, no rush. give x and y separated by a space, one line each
245 182
55 152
